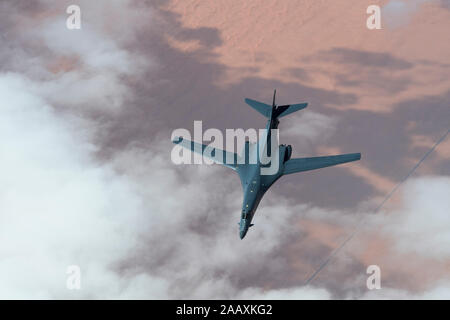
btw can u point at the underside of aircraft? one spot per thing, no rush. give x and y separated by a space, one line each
254 181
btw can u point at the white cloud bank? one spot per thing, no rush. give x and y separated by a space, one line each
423 223
57 206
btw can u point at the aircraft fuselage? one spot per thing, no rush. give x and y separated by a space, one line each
254 184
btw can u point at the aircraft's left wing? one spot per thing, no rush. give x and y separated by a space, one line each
305 164
262 108
228 159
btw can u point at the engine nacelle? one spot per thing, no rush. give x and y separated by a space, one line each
287 153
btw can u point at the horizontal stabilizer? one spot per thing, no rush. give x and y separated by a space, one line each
223 157
262 108
288 109
305 164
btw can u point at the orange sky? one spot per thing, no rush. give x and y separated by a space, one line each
274 36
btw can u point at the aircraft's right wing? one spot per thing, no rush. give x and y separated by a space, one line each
228 159
290 108
305 164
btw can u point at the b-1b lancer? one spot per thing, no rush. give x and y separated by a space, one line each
254 183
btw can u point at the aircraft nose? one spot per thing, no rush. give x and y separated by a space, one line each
242 229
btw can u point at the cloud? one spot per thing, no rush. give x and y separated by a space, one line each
303 293
422 225
309 125
440 292
398 13
79 69
58 206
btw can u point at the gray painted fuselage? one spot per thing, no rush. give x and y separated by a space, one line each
253 183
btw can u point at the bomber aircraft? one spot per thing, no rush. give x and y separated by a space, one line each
254 181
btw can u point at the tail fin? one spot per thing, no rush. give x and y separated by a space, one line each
274 111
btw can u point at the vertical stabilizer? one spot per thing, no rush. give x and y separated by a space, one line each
274 95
